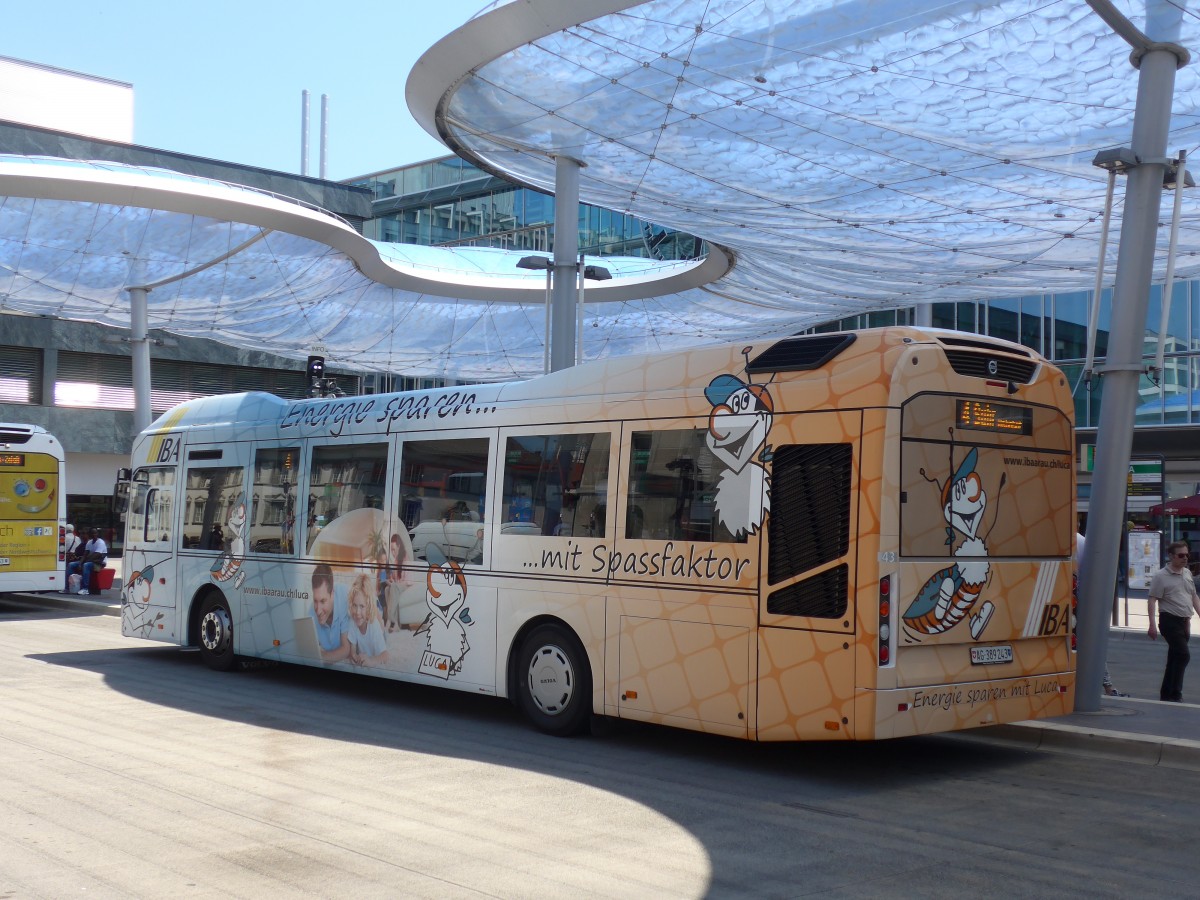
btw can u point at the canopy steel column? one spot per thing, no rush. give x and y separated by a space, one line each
566 264
139 332
1123 367
139 340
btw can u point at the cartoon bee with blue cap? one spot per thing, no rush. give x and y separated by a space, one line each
950 594
741 417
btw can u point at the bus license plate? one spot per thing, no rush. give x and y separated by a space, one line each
4 561
986 656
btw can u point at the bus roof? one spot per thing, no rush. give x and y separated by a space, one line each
669 371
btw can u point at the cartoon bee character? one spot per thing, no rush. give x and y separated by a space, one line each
950 594
230 561
741 417
445 637
136 614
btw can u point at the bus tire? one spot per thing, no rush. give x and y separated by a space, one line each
215 634
554 681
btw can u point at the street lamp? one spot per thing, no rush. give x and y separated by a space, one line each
584 273
541 262
589 273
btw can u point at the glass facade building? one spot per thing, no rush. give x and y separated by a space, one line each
448 202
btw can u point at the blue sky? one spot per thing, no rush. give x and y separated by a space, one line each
223 79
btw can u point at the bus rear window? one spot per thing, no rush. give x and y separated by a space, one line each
961 499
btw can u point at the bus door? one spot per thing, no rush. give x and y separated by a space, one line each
442 515
810 569
681 555
148 563
217 500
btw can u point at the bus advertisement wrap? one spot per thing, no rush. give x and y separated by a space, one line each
845 536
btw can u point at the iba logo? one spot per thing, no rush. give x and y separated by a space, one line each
168 450
1054 620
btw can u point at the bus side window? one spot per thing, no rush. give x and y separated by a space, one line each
673 478
136 521
555 484
215 511
150 506
343 478
443 497
272 522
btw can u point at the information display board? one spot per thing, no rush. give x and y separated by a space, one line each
1145 558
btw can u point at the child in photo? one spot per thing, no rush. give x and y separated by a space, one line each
368 644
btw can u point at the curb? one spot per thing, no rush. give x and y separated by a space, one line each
1054 737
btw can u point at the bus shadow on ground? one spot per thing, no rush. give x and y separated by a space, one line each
742 801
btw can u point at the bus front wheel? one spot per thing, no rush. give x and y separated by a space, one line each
216 634
554 687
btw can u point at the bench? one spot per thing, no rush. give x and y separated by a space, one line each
102 580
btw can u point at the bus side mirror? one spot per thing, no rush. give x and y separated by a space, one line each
121 493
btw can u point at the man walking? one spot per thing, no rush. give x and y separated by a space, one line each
1174 593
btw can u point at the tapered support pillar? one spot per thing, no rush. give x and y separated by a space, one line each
566 253
139 346
1123 367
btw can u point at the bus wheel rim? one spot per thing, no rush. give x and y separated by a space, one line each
551 680
214 631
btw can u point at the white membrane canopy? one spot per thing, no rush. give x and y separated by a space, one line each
851 155
847 156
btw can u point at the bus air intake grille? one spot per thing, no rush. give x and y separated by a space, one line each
810 508
986 346
8 436
999 368
824 596
800 354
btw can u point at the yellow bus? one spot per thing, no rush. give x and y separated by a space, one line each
857 535
33 509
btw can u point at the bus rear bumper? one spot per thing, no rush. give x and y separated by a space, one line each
928 709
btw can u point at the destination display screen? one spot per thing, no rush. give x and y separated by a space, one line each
984 415
12 459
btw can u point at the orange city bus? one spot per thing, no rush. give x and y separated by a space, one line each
33 509
858 535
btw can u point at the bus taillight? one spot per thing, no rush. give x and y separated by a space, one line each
885 620
62 543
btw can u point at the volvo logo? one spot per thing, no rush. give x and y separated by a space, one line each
993 367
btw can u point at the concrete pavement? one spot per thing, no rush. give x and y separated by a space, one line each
1138 728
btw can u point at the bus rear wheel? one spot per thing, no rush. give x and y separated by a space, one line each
554 686
216 634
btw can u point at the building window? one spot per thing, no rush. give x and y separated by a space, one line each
20 375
